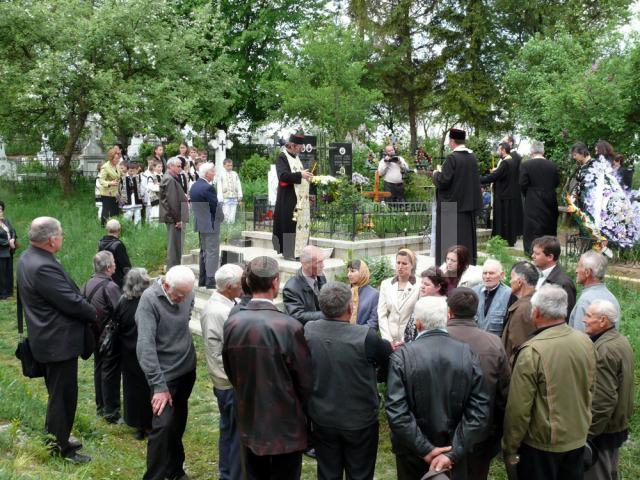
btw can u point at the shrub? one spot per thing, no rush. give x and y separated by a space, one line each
253 187
254 168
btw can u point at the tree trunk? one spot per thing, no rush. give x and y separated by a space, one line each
413 129
76 125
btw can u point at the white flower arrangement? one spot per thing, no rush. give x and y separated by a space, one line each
323 179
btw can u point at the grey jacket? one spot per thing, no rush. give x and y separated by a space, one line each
494 321
299 300
165 348
174 206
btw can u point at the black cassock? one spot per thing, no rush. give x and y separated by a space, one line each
135 389
517 160
539 179
284 228
507 202
458 201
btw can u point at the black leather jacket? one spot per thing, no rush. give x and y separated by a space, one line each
436 397
299 300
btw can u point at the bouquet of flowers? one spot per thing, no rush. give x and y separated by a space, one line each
323 179
359 179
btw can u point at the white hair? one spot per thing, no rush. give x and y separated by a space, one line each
431 312
228 275
309 252
204 168
537 147
174 161
180 275
113 226
492 262
596 262
606 309
43 228
551 300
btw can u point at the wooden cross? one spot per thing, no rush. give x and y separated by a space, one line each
377 194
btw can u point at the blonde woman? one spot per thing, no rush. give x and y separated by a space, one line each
109 181
398 296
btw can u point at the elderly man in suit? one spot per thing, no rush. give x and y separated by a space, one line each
545 256
56 316
204 203
300 294
174 210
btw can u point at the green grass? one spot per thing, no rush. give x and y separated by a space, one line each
116 455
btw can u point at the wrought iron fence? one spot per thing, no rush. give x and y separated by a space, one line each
369 221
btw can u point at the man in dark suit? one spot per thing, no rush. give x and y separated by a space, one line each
300 293
539 179
268 363
458 199
111 242
546 252
204 203
56 316
174 210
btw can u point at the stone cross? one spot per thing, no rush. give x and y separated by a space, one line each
220 145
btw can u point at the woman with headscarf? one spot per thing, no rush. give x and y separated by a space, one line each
365 297
135 389
398 296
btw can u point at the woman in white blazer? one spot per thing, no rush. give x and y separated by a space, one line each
398 296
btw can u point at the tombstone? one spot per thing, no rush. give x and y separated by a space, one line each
7 168
92 156
133 151
219 145
308 154
46 156
341 159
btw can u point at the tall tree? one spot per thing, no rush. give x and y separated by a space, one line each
323 81
129 60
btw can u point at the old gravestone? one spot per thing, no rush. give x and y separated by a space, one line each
7 168
308 154
92 156
341 159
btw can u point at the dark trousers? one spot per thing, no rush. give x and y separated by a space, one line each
540 465
396 190
229 443
346 451
165 452
287 466
106 379
411 467
209 257
109 209
61 379
6 276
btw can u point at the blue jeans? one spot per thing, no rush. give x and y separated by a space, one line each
229 443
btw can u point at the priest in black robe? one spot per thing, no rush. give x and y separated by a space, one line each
284 225
517 161
458 199
539 181
507 202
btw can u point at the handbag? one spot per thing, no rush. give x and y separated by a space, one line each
109 336
30 366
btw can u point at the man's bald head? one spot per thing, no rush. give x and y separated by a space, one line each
312 260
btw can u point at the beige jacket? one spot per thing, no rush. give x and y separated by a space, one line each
393 314
212 319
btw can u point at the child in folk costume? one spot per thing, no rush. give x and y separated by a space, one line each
132 193
229 191
153 189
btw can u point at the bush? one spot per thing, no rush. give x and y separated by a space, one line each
255 168
416 188
145 151
379 268
253 187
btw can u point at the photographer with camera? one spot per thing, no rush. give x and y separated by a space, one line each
391 167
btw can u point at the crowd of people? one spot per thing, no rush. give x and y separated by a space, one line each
473 365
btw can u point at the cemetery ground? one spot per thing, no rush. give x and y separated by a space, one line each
116 454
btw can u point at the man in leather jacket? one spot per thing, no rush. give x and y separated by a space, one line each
436 403
300 293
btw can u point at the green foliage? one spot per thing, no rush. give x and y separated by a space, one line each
484 151
145 151
380 268
323 81
497 248
418 188
251 188
255 167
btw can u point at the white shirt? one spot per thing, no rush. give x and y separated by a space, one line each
543 276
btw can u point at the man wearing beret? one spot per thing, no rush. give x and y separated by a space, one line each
458 198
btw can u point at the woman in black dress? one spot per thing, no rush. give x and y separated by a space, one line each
136 394
7 247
